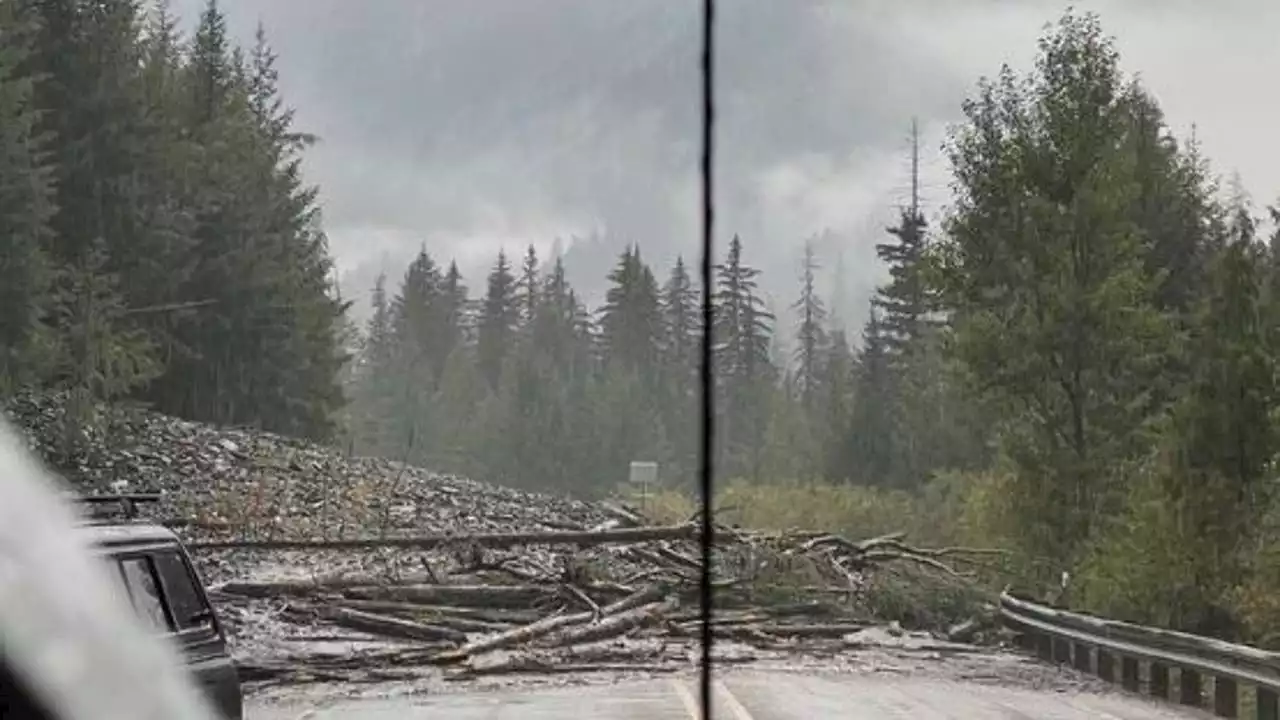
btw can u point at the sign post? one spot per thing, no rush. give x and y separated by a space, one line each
644 475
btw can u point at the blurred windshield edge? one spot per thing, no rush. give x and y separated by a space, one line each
65 628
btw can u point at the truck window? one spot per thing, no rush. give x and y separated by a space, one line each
140 577
178 578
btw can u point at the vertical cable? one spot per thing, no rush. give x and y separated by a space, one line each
706 538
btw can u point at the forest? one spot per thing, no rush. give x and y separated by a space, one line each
1076 364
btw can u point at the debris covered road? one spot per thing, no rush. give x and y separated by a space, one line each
355 580
747 695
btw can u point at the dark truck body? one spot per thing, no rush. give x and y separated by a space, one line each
167 592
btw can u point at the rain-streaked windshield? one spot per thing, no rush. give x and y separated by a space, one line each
578 357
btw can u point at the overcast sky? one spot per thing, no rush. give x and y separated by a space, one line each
471 125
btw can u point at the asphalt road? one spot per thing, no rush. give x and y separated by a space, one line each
751 696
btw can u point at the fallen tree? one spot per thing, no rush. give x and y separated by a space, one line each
560 601
484 540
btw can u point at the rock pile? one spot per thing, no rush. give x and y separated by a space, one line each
234 483
327 567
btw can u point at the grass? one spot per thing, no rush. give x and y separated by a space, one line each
913 596
849 510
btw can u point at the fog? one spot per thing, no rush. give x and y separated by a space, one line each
474 126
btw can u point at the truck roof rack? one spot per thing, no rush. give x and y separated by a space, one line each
127 503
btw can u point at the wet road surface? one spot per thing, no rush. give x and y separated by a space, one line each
749 696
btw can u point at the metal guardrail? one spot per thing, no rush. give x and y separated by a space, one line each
1148 657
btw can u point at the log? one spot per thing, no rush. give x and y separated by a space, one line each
515 636
548 625
310 586
389 626
422 612
489 540
521 664
610 627
488 596
643 596
501 618
819 630
624 515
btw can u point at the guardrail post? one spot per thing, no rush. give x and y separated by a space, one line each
1082 658
1067 638
1158 682
1129 673
1061 651
1106 664
1266 704
1189 689
1226 695
1026 641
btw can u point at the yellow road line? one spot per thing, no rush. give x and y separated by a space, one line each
687 699
735 708
694 708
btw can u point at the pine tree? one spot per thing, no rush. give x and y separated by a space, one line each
265 350
374 392
630 319
1058 323
419 320
835 416
418 323
1224 433
102 358
681 316
178 209
379 343
528 287
743 325
873 422
555 334
210 66
453 291
681 309
905 303
810 332
498 321
25 208
745 375
461 442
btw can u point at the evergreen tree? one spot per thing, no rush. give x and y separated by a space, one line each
743 334
457 319
904 302
1055 319
498 321
210 67
681 321
873 420
810 331
682 352
460 441
1224 433
178 208
630 320
556 334
25 207
837 404
529 286
102 357
418 320
373 391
